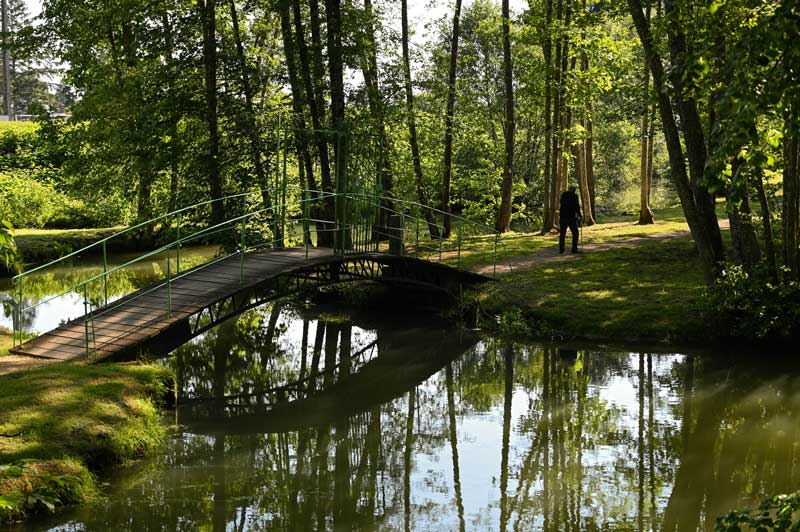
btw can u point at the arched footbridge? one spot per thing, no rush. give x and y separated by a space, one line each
262 253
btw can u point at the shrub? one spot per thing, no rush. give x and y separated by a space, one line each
781 512
739 305
28 202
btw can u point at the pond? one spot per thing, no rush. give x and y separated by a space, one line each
50 297
300 417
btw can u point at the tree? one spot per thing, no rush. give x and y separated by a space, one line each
697 201
448 120
207 9
504 216
412 126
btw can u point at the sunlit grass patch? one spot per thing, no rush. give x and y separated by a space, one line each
648 291
77 417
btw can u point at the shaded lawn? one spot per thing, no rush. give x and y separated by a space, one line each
63 421
648 291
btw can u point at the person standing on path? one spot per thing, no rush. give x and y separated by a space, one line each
569 213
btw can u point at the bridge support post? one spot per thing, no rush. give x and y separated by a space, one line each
396 231
105 272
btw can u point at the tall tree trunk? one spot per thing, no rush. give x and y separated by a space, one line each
412 126
791 199
645 212
333 19
209 21
375 100
766 220
448 120
555 165
693 134
590 163
507 193
548 220
699 225
174 142
289 48
251 124
325 238
581 172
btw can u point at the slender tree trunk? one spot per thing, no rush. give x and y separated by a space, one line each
412 126
698 225
305 70
289 48
325 238
371 80
174 142
766 220
507 193
590 163
251 124
209 20
582 174
651 145
548 220
336 69
448 120
645 212
693 134
791 200
555 165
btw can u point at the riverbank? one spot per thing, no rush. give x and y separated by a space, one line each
62 424
630 283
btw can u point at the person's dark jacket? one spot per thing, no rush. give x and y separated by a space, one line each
570 206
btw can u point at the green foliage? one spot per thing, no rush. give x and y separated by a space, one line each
29 202
751 306
781 512
512 324
8 248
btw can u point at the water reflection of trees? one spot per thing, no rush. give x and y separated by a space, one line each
587 440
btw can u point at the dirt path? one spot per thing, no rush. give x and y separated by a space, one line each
14 363
551 254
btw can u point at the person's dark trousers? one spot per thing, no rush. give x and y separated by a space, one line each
572 223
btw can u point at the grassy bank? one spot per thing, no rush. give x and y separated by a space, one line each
633 283
61 424
646 292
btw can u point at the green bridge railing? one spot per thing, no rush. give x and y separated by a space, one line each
350 223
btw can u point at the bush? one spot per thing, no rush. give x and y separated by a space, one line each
781 512
27 202
739 305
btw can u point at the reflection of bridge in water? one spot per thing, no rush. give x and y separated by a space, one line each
266 255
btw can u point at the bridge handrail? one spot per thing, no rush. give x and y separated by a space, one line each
360 237
130 229
207 231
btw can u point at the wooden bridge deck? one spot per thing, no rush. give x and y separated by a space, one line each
139 317
134 320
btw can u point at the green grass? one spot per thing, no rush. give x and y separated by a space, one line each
39 246
62 423
6 341
647 292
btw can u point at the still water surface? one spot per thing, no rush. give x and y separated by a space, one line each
311 419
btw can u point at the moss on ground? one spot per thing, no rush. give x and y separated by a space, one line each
62 423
